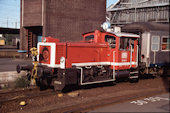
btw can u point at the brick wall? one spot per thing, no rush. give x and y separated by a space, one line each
68 19
63 19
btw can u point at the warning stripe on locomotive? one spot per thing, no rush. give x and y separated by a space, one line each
104 63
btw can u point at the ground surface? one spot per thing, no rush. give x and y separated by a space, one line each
157 103
9 64
89 97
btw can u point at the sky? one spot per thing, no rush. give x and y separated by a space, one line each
10 12
109 2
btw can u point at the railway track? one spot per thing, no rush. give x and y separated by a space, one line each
104 101
23 94
13 91
88 98
90 105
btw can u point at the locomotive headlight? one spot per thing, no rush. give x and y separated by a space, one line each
62 59
62 62
106 25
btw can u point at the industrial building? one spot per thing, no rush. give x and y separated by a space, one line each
63 19
128 11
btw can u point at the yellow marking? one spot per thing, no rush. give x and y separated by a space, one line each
2 42
73 94
22 103
60 95
34 53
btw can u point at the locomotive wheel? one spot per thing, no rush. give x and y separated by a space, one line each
37 81
114 83
42 83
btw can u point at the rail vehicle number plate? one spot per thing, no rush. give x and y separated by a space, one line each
124 56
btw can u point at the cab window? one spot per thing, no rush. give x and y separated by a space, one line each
132 44
124 43
89 37
111 40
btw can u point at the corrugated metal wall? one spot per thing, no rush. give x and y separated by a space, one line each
128 11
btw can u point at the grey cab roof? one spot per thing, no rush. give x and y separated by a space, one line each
145 26
123 34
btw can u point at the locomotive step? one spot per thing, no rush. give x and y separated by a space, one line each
134 72
132 77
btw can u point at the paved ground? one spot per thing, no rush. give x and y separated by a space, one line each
7 47
8 72
158 103
9 64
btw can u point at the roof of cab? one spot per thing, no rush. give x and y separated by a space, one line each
122 34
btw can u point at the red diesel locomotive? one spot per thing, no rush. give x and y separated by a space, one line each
99 57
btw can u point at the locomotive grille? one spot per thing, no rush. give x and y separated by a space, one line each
59 53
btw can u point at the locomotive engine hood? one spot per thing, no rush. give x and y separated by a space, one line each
92 50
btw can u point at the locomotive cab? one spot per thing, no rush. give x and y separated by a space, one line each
124 48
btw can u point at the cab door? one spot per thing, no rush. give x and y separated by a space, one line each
112 41
124 53
133 52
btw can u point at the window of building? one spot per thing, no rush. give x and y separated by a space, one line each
124 43
165 43
155 43
90 37
111 40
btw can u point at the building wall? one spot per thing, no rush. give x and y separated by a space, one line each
63 19
30 16
32 12
69 19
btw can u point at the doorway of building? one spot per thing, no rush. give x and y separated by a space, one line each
33 35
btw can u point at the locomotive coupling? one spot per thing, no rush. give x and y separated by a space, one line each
24 68
32 69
